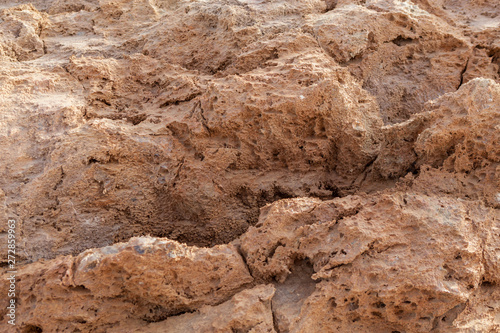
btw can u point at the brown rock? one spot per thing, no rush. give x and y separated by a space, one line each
403 56
396 261
183 278
247 311
96 288
184 120
455 141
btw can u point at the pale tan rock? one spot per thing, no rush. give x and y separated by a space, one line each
481 313
21 28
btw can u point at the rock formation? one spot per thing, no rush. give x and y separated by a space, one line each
251 165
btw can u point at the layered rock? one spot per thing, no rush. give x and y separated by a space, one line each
393 261
343 154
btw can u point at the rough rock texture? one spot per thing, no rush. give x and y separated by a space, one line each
406 274
99 288
252 166
456 140
248 311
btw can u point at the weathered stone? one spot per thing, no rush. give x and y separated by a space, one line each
251 165
146 277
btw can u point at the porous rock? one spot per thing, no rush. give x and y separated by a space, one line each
149 278
251 166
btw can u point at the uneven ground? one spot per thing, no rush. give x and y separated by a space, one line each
252 165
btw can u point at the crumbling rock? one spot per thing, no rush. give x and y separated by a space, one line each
454 140
252 166
163 127
393 47
396 261
21 29
247 311
114 280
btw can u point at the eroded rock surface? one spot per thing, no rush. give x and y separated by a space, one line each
252 166
117 280
429 248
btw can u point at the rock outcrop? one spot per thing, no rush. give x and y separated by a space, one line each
251 166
